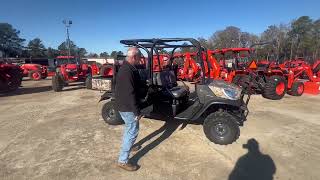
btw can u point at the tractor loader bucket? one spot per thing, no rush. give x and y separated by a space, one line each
312 87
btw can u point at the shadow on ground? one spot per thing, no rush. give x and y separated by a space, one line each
167 130
254 165
29 90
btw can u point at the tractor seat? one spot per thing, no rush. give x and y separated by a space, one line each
167 79
178 92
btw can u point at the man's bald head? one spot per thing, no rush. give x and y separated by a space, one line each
133 55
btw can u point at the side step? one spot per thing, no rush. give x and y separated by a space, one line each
190 112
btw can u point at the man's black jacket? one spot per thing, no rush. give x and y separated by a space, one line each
126 95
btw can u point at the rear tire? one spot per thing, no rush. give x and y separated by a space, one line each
89 82
12 83
275 88
57 83
110 115
221 128
297 89
35 75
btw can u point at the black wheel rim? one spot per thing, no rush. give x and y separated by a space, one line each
111 114
220 130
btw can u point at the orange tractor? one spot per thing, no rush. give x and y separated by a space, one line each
69 69
35 72
236 66
301 76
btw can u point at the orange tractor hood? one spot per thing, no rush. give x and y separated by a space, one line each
71 66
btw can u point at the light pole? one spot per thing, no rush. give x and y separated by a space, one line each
67 24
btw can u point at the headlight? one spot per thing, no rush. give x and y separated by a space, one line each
225 90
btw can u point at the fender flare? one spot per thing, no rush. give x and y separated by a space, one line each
218 103
106 96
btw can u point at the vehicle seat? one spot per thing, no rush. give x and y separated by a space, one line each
167 79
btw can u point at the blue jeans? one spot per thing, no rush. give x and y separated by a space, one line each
129 136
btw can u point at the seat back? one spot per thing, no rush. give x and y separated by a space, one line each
165 78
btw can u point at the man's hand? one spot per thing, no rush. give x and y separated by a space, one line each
137 118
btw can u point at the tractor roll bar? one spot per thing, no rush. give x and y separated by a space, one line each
155 44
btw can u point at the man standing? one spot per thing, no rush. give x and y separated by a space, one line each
126 102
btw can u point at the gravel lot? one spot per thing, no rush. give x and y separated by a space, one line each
49 135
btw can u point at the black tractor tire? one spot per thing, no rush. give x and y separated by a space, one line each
35 72
270 89
295 91
89 82
221 127
110 115
57 83
44 76
13 83
241 80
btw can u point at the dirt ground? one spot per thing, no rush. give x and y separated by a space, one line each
49 135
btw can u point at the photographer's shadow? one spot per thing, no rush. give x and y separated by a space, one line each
254 165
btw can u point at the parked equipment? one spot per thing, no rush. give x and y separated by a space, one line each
35 72
10 77
302 77
69 69
220 106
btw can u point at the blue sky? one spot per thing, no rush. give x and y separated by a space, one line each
98 25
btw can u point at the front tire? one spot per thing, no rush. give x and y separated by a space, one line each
110 115
297 89
35 75
221 128
275 89
57 83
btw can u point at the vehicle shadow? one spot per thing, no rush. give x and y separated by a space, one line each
73 88
167 130
29 90
253 165
76 84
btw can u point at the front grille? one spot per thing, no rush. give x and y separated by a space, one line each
72 73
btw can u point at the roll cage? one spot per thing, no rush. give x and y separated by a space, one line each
152 46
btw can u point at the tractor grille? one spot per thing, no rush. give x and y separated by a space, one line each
72 73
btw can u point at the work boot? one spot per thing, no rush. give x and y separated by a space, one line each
135 148
128 166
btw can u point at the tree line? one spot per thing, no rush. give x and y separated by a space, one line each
299 38
11 45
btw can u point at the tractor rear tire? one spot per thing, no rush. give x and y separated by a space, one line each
89 82
221 128
297 89
110 115
57 83
275 88
35 75
12 83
